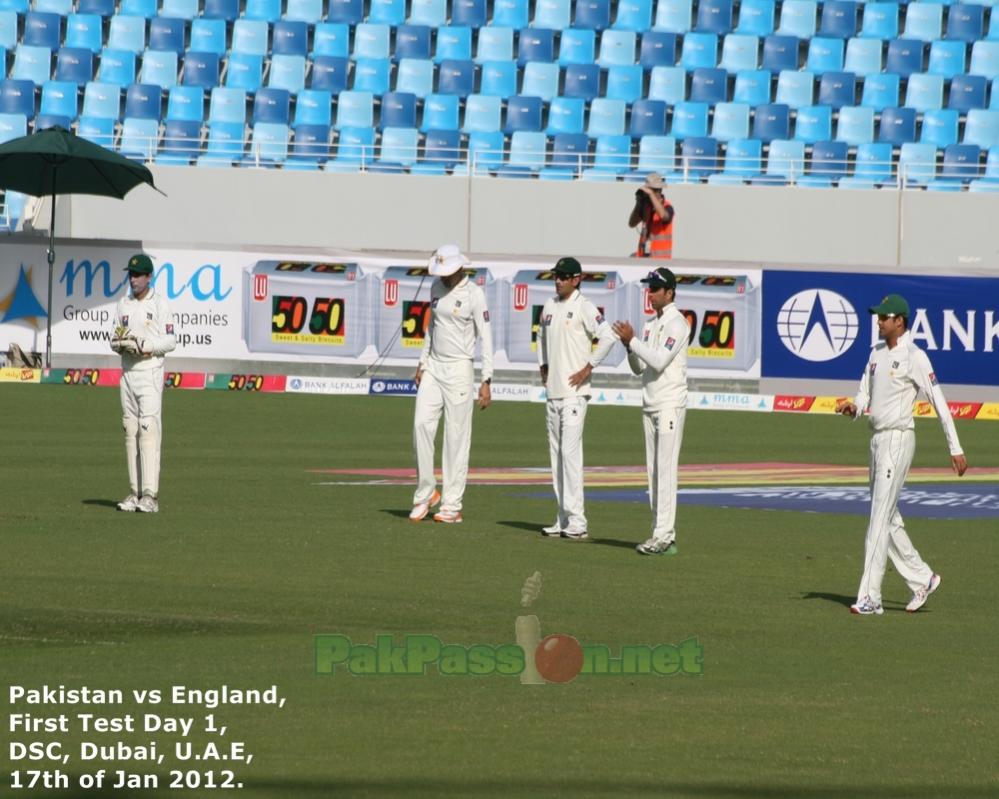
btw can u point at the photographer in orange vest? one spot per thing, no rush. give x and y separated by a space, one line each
655 214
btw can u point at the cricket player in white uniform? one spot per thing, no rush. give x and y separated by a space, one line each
660 357
896 372
143 335
569 324
445 381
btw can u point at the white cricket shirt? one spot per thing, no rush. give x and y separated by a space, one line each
150 321
659 355
565 342
457 318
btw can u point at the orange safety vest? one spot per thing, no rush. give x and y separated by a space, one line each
659 235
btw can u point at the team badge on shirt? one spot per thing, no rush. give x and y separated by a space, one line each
485 316
933 379
873 367
670 342
569 315
457 303
645 335
149 316
124 321
548 319
894 364
600 319
169 330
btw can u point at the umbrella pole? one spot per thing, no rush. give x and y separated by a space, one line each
51 259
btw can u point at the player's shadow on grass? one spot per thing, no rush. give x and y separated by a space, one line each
101 503
397 512
530 527
615 542
839 599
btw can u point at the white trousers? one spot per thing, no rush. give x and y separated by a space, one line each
663 436
891 456
566 418
142 420
444 388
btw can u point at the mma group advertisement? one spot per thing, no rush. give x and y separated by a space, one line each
335 308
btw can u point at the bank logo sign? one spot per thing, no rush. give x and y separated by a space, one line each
817 324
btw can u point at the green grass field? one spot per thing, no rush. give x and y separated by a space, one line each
250 557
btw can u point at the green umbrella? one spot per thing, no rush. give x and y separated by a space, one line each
56 161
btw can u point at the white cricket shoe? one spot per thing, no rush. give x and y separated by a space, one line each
575 535
129 504
148 504
448 516
421 509
552 531
919 598
655 546
865 607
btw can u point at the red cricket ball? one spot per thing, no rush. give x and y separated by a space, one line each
559 658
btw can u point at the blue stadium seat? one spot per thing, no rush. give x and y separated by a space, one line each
606 117
905 56
740 52
594 15
18 97
249 37
785 161
535 44
947 58
583 80
924 92
700 156
485 151
863 57
8 29
272 105
290 37
510 14
923 21
984 59
880 91
387 12
441 151
143 101
186 104
633 15
74 64
313 107
569 155
771 121
624 83
287 72
32 63
657 48
552 14
709 86
494 44
668 84
412 41
46 121
730 122
873 163
648 118
756 17
829 160
689 119
993 33
347 12
268 145
222 9
780 53
617 48
98 130
83 31
699 50
167 33
440 112
837 89
18 6
102 8
577 47
965 22
674 16
499 78
611 157
470 13
656 154
967 92
752 87
813 124
159 67
397 151
795 88
743 161
101 101
371 41
355 149
839 19
540 80
880 21
981 128
244 71
181 9
898 125
824 55
200 70
431 13
917 163
526 155
180 143
523 113
797 18
397 110
414 76
565 115
355 109
856 125
42 30
454 42
329 73
227 105
961 162
127 33
939 127
138 8
139 139
714 16
117 66
372 75
307 11
331 39
208 36
60 7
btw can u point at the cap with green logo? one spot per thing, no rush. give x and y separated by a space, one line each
568 266
661 278
892 305
140 264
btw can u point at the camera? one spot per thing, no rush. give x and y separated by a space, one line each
641 197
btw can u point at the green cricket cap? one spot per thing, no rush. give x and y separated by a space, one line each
892 305
568 266
141 264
